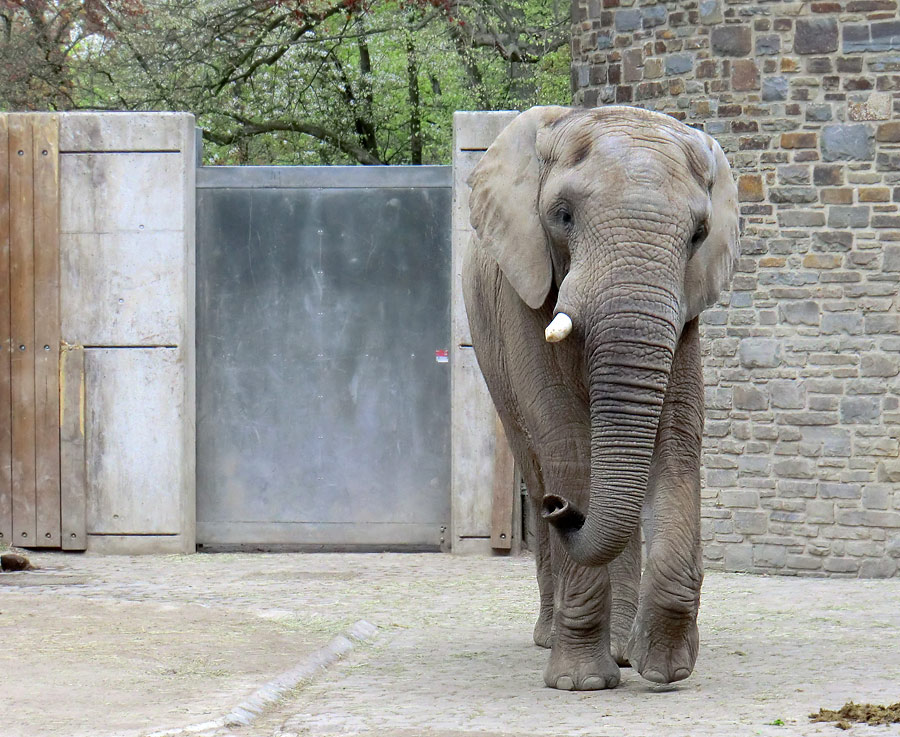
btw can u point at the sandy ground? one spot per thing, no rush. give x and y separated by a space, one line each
106 646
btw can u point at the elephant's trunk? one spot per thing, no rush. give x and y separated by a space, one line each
629 343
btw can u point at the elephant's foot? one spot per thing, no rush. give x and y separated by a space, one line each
621 623
661 649
543 628
585 667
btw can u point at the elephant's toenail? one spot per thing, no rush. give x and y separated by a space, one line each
655 676
564 683
594 683
681 674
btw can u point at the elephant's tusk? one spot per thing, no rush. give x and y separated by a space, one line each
559 328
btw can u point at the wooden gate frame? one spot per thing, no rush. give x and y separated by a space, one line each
33 510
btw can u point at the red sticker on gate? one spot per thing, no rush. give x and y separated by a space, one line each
441 356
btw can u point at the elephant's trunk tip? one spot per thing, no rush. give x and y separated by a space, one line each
561 514
559 328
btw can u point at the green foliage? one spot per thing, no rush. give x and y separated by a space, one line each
317 81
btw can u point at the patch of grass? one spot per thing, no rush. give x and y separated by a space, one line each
864 713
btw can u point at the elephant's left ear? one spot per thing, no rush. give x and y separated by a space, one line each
503 206
710 268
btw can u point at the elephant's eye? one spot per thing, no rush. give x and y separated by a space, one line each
564 216
699 236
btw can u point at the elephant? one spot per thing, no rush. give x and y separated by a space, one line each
599 236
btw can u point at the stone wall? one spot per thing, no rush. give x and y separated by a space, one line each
803 355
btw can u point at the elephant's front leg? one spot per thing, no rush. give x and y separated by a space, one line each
580 656
664 640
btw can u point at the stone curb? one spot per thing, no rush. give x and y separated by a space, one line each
251 709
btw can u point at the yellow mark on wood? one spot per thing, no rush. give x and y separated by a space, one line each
64 350
63 353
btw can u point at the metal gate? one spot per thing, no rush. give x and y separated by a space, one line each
323 392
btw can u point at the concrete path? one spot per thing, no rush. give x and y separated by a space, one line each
109 646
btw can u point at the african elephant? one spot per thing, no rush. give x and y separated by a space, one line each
600 236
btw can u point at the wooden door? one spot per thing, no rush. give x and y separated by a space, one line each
31 507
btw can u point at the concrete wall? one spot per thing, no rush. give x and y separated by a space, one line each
474 450
802 368
127 298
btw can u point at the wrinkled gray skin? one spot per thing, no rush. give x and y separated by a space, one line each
625 220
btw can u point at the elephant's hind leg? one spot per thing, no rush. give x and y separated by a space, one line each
625 577
543 628
664 641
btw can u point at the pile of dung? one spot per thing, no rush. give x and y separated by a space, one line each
867 713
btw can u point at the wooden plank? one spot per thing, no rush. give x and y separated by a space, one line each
5 407
45 129
21 269
504 482
73 479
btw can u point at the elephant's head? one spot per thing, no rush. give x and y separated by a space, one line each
628 219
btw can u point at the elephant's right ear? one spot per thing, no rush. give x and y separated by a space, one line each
504 205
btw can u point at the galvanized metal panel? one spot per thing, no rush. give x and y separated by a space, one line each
323 414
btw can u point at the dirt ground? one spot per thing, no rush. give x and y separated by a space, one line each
124 646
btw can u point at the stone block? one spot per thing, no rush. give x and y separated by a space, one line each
769 556
751 523
628 20
799 140
793 195
760 353
892 548
632 62
830 490
821 512
827 441
888 132
877 496
801 218
891 263
834 323
732 40
710 12
840 216
795 468
847 143
750 188
825 175
837 196
750 398
785 394
800 562
815 35
841 565
882 568
874 194
794 174
744 75
774 88
654 15
739 498
860 410
877 106
739 558
877 364
818 113
800 313
679 64
768 45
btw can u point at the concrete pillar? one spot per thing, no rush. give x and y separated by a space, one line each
127 299
474 456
